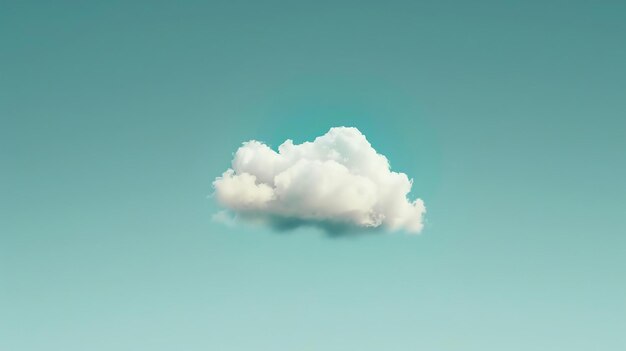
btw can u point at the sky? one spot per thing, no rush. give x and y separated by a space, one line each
116 117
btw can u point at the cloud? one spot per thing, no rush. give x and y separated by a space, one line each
224 218
336 182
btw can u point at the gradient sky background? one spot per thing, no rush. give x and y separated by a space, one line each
116 116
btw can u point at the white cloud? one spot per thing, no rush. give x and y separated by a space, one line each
224 218
338 179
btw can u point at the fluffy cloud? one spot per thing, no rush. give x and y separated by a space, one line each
336 180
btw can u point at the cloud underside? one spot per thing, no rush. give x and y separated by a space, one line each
338 182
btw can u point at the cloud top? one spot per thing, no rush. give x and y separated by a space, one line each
336 180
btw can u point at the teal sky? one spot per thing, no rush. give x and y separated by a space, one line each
116 116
